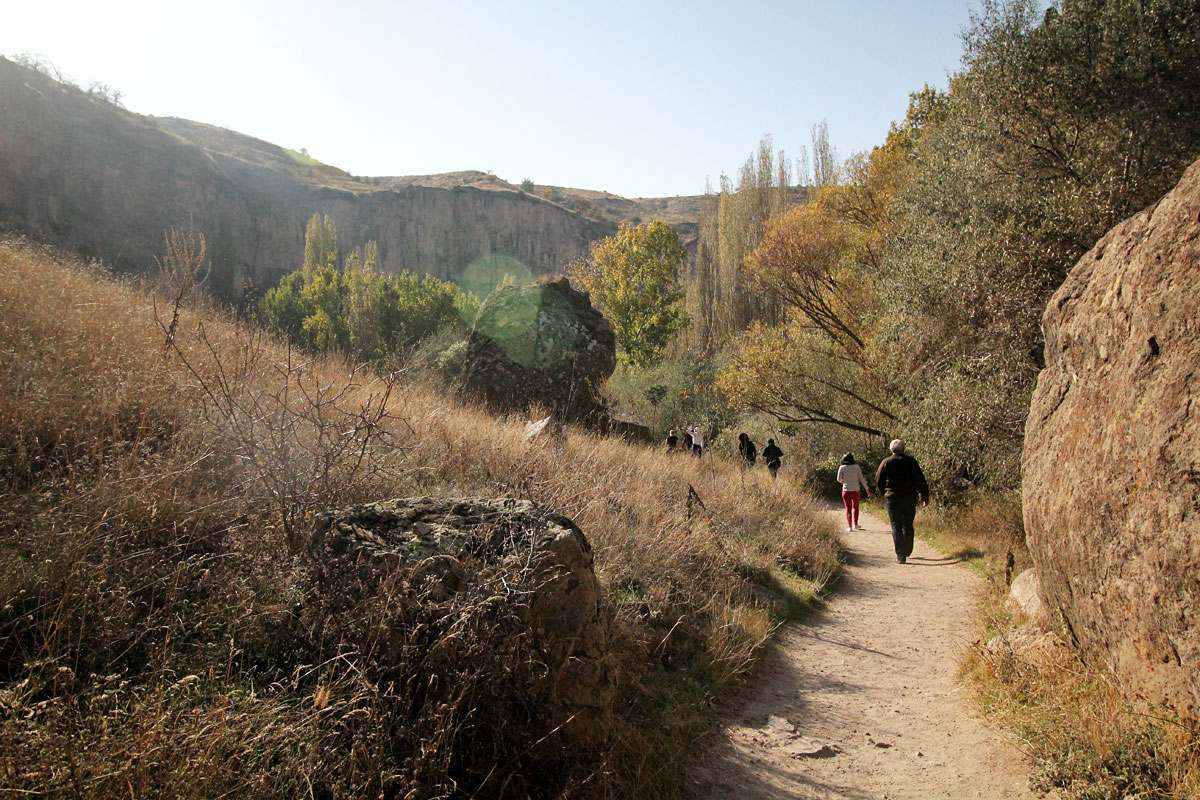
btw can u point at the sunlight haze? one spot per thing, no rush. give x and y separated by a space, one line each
638 100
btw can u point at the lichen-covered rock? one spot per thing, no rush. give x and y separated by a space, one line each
442 543
542 344
1111 467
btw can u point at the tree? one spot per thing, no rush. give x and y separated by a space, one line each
799 375
1063 123
719 298
801 260
357 310
818 261
633 278
320 245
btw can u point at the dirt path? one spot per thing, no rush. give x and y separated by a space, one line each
860 701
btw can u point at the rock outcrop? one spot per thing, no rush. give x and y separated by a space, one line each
1111 467
543 344
83 173
447 547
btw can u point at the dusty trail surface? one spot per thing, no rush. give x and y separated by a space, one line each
860 701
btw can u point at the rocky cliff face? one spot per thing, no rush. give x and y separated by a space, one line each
83 173
1112 452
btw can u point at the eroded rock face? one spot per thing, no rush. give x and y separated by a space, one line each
445 545
543 344
1111 468
83 173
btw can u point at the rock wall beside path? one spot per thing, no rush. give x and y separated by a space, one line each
1111 466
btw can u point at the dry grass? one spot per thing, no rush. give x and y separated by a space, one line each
160 630
1087 741
982 531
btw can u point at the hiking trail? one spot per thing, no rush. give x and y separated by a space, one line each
860 701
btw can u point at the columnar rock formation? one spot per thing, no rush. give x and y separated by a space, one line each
78 171
1112 451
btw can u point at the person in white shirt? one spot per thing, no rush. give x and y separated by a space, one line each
850 476
697 442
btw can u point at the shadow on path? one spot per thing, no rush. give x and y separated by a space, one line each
860 700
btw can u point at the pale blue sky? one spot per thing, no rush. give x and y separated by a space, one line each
639 99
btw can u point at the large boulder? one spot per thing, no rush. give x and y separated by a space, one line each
516 554
1112 451
542 344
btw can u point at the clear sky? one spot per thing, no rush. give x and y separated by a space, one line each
643 99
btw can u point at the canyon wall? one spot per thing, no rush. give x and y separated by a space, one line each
78 171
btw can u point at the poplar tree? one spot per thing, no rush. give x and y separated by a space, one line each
633 278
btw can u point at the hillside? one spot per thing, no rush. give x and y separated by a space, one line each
682 212
80 172
160 592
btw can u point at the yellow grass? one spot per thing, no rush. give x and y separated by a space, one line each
1087 740
155 608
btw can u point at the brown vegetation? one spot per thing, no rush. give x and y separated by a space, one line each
160 631
1086 740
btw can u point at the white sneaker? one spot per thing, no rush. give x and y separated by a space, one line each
849 530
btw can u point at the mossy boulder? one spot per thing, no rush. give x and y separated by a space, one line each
529 567
542 344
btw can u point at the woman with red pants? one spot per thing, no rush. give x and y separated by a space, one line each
850 476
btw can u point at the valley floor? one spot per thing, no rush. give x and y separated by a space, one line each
860 702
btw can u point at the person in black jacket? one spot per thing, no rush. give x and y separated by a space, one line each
747 450
772 455
901 482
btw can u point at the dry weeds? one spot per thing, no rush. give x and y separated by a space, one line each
1087 740
160 633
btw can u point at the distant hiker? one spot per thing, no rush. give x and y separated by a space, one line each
747 450
687 439
672 440
697 442
901 482
850 476
772 455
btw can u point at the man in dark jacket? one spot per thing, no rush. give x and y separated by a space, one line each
747 450
772 455
901 482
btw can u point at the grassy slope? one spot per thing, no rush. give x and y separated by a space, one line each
159 630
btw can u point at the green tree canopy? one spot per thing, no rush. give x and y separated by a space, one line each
357 310
633 278
1063 123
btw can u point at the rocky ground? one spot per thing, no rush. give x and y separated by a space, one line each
861 701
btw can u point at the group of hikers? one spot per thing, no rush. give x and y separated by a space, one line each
693 443
899 479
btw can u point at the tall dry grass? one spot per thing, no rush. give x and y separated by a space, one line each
1087 740
160 630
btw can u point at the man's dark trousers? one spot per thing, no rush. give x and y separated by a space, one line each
901 511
